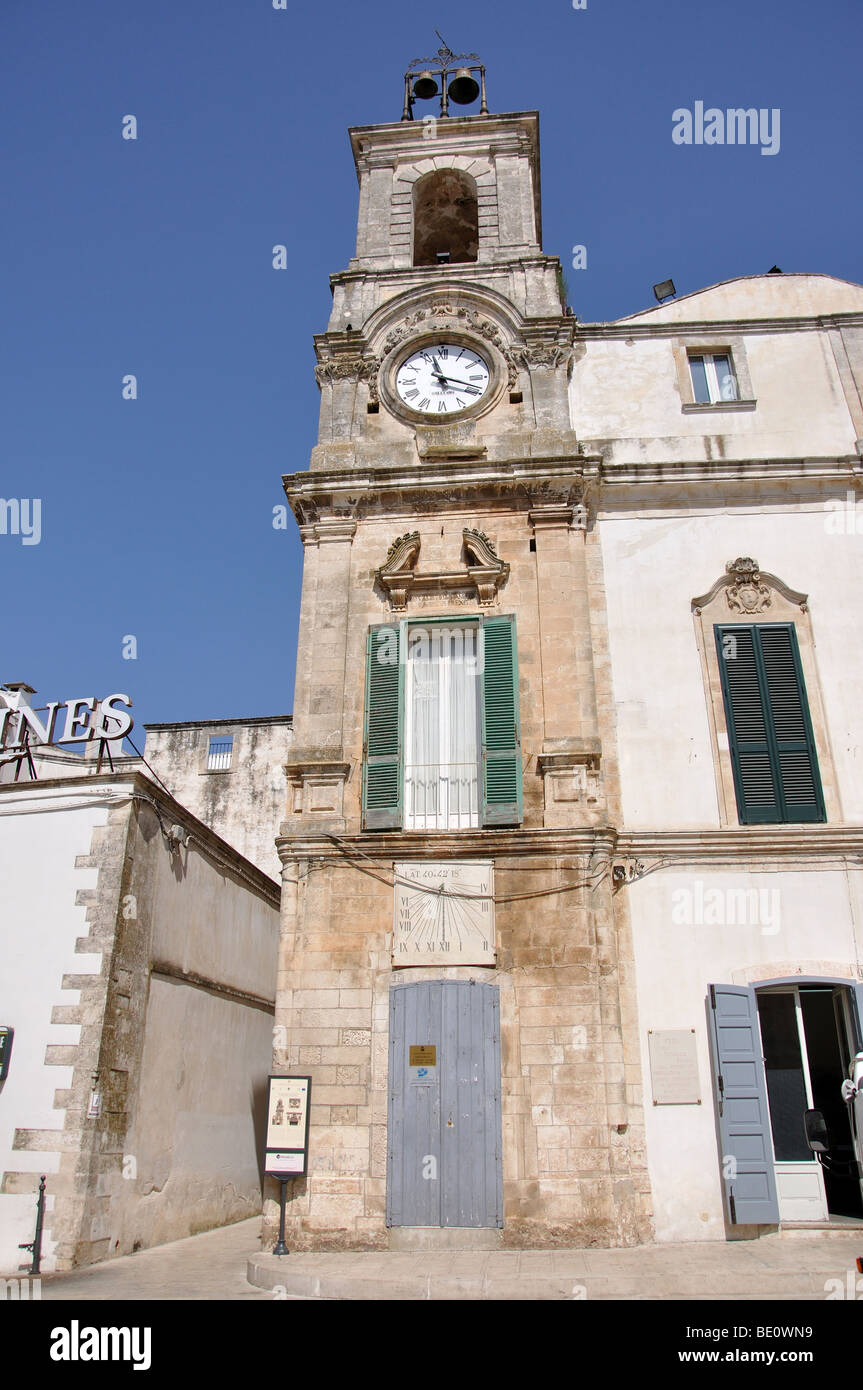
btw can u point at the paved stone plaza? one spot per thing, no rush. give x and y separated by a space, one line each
213 1266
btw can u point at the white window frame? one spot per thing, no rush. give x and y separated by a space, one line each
443 816
711 346
714 388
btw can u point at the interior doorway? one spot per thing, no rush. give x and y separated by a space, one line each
808 1038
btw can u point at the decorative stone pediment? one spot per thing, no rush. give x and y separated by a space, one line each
488 572
749 589
484 577
397 573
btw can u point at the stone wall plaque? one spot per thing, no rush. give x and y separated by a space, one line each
674 1066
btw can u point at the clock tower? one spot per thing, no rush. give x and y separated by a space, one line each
451 976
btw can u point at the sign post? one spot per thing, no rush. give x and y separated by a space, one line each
287 1150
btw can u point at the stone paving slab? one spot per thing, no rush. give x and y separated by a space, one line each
208 1266
227 1265
773 1267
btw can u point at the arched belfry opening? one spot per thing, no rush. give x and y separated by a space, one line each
446 221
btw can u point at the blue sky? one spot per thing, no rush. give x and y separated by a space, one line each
154 257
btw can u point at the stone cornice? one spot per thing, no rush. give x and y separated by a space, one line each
342 495
217 723
328 530
635 853
718 327
382 848
474 275
347 493
401 141
588 755
300 766
844 468
744 845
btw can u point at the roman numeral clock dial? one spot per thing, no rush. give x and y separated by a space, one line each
442 378
444 914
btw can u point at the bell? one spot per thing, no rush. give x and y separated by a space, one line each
463 89
425 87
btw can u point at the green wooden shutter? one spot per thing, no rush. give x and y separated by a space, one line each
799 781
382 730
501 735
769 730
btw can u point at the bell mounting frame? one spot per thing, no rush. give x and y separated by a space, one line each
443 65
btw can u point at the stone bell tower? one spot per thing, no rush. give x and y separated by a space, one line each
451 977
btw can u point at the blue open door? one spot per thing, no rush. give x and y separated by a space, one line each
740 1097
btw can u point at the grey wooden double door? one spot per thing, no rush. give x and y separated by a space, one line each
444 1129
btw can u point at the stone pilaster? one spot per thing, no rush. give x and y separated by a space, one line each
322 643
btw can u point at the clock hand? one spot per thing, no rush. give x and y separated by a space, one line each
465 386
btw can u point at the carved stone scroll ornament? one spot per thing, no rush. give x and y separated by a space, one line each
748 588
543 355
488 572
396 574
350 369
401 580
746 593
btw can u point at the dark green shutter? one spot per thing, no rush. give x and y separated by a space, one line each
769 730
501 736
382 730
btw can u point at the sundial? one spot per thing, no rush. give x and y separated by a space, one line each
444 913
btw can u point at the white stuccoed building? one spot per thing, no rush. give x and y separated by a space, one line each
137 987
740 844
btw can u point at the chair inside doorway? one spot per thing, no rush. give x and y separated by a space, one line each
808 1037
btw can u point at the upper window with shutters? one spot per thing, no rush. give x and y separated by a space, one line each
441 746
770 743
770 737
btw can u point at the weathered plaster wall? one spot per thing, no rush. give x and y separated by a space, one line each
794 343
197 1087
242 804
42 920
193 1147
758 297
626 401
654 566
811 927
171 1023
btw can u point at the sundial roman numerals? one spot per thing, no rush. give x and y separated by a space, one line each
444 913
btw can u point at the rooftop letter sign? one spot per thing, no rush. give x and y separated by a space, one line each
69 721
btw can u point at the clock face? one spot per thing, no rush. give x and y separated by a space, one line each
442 378
444 914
